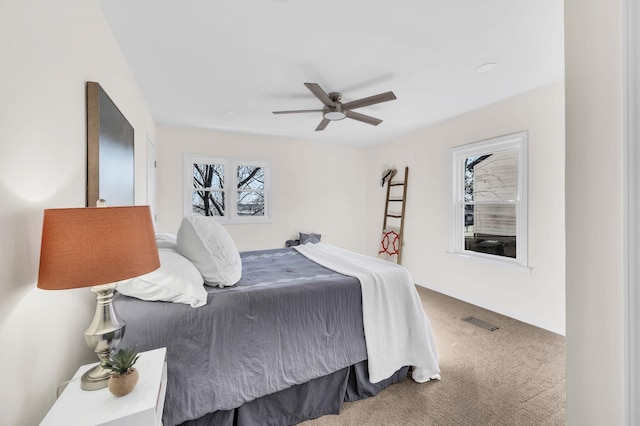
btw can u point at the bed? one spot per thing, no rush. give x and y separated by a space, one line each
284 344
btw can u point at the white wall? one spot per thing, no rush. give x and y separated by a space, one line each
49 50
537 297
595 210
315 187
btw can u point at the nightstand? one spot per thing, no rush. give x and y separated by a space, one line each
143 406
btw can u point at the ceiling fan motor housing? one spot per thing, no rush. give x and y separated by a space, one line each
334 113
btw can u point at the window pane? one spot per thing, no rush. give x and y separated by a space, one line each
208 203
209 176
250 203
491 177
250 177
491 229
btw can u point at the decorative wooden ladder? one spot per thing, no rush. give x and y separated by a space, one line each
392 236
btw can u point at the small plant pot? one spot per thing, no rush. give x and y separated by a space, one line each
122 385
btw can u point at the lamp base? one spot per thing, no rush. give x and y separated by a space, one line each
103 335
95 378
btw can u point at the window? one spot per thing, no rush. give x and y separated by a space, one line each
489 203
231 190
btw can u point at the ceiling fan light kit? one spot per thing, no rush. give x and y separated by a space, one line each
334 113
335 110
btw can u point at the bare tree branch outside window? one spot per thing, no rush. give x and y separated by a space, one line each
250 191
208 189
209 195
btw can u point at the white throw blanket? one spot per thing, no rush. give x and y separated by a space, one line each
396 328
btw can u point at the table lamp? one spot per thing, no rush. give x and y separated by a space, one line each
97 247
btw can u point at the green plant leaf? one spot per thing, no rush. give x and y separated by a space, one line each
122 362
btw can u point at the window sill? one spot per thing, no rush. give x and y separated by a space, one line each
252 221
493 261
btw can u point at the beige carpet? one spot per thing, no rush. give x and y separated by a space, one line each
512 376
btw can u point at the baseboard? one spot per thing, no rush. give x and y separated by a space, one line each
515 315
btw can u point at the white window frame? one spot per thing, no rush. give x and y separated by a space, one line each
231 187
517 141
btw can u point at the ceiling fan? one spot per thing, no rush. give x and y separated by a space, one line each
334 109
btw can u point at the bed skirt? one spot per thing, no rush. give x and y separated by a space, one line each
298 403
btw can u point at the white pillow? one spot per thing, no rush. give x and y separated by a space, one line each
166 241
177 280
210 248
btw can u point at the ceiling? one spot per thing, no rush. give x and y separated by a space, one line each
227 64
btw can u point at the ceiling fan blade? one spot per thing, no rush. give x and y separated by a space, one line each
320 94
375 99
323 124
297 111
364 118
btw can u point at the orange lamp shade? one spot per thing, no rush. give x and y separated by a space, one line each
84 247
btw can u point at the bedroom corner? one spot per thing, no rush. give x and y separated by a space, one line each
535 296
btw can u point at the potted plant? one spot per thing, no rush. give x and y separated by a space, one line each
123 376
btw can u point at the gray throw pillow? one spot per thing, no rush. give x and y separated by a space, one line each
309 238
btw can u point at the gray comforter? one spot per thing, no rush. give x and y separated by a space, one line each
288 321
